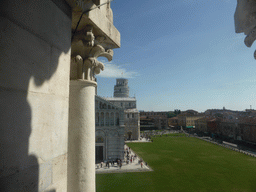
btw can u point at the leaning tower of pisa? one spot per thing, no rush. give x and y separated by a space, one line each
121 88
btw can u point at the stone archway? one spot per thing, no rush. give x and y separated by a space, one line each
129 134
99 149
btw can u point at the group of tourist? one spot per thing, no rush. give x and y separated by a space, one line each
129 157
112 163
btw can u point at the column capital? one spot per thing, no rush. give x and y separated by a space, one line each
85 49
245 21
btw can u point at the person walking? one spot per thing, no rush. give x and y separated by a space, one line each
141 164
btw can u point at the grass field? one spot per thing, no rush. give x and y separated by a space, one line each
184 164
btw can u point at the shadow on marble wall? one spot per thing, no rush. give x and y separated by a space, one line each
24 57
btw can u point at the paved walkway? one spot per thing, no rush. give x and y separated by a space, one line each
230 146
135 166
143 140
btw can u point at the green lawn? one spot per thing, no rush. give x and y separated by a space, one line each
184 164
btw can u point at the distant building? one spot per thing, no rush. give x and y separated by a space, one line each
154 113
247 132
212 125
191 112
158 119
201 125
173 122
187 120
146 124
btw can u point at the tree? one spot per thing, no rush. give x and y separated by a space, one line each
177 111
171 114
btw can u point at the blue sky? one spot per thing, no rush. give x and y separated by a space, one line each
181 54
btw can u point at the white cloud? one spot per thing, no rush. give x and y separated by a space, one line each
114 71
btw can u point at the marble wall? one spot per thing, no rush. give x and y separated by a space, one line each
34 94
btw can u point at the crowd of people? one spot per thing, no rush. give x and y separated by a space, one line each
129 158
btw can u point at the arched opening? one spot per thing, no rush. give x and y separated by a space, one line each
96 105
99 139
129 134
99 149
107 119
97 119
112 119
102 119
117 118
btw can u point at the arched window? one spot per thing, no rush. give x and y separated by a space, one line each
117 118
112 119
107 119
102 119
97 119
96 104
99 139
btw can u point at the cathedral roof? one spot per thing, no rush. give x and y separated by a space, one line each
120 98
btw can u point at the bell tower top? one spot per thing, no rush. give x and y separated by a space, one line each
121 88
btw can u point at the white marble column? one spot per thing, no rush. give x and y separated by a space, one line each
81 141
81 133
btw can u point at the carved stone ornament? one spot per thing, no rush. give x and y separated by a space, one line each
245 21
84 53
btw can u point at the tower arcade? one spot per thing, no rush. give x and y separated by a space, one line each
121 88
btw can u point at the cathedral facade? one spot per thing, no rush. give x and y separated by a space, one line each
109 133
116 120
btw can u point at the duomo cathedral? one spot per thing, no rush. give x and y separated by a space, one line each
117 119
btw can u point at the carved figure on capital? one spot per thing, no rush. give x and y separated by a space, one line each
245 21
84 54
